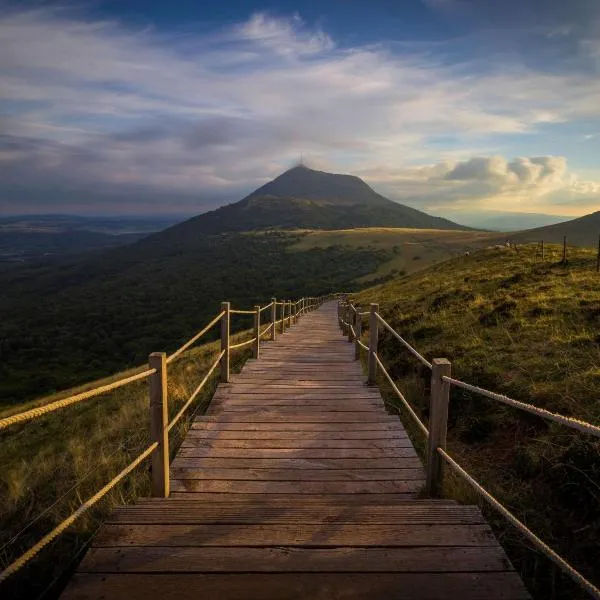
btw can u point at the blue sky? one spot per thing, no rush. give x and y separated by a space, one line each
180 106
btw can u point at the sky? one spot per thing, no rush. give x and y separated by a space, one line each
131 106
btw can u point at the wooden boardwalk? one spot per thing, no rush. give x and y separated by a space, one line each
297 484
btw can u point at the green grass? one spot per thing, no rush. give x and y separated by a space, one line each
530 330
77 450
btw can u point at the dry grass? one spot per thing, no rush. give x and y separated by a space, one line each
530 330
54 463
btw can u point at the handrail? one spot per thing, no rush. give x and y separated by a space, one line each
195 392
185 346
440 385
242 344
530 408
412 350
42 410
266 306
234 311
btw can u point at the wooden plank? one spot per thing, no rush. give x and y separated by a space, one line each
295 408
297 463
290 560
192 512
298 586
307 535
201 442
210 424
303 418
308 436
348 499
296 487
303 453
264 401
179 472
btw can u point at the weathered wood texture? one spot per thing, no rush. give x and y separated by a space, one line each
297 484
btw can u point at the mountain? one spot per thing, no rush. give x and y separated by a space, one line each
303 198
497 220
582 231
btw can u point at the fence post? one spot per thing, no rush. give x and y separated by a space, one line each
159 417
564 259
373 338
543 251
225 306
283 303
273 318
256 349
438 423
358 321
289 313
598 257
351 322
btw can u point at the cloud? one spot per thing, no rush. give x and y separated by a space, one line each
90 106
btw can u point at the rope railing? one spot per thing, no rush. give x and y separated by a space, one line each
242 344
530 408
52 406
404 401
158 406
438 414
412 350
36 548
560 562
185 346
195 393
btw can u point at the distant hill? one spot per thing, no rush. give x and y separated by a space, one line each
582 231
499 220
302 198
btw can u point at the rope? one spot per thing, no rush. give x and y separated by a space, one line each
265 307
267 329
403 341
42 410
544 548
363 314
534 410
412 413
27 556
363 346
237 346
175 354
242 312
195 393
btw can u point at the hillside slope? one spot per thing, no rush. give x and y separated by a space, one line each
582 231
528 330
305 198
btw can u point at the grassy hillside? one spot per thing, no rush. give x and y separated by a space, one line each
582 231
530 330
52 464
406 250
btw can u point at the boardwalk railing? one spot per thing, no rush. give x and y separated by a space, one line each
282 315
351 319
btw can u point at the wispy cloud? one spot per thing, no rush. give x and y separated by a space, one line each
97 107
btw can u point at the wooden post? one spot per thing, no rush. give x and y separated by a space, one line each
564 260
542 250
289 313
159 418
283 303
351 322
256 349
358 334
273 318
225 306
373 338
598 257
438 424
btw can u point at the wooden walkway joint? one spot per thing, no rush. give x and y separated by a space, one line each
297 484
